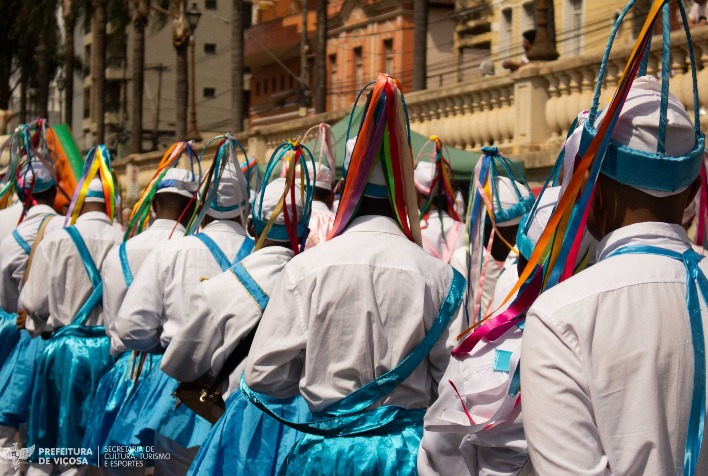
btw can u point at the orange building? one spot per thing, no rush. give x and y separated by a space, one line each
364 38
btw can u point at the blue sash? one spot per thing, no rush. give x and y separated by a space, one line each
125 266
251 286
349 416
97 294
21 241
695 280
219 256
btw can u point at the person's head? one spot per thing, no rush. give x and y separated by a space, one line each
38 180
174 196
95 200
324 182
263 211
636 184
511 201
231 201
528 38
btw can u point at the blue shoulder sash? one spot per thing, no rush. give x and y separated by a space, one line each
252 287
22 242
219 256
695 281
349 416
125 265
94 276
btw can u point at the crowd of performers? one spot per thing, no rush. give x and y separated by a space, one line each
240 326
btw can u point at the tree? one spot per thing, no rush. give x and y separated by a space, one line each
69 14
140 10
237 25
99 69
420 44
180 40
321 57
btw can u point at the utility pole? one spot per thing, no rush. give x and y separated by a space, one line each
160 68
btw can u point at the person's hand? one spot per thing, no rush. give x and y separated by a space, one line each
21 319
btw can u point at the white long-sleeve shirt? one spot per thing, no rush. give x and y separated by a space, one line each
607 363
433 240
115 288
58 284
9 218
347 311
158 302
13 257
222 314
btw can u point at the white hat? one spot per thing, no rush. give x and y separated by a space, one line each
509 203
637 127
38 174
423 176
323 176
232 194
271 196
95 192
179 181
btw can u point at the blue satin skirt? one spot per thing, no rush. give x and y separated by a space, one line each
392 449
246 441
17 379
9 335
151 409
113 391
68 375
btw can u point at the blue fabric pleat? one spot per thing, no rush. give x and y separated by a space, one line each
695 280
247 442
68 374
17 379
9 335
151 409
112 392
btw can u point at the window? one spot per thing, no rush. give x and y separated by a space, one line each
209 93
265 86
505 33
282 82
528 17
273 84
292 82
573 27
388 56
209 48
87 103
210 4
358 68
258 88
333 81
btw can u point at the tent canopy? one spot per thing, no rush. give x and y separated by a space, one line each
462 161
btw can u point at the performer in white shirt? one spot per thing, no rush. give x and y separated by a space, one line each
609 355
441 226
63 296
344 315
18 351
158 304
173 206
225 315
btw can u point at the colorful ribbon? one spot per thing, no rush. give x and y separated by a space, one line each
96 165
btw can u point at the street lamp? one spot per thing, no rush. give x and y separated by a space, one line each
193 16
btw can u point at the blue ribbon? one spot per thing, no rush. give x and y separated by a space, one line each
696 279
125 265
349 416
219 256
251 286
21 241
94 276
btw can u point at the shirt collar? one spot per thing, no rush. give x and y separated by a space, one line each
40 210
374 224
664 235
320 207
226 226
94 216
164 223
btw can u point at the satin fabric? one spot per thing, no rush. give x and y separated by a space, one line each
113 390
152 410
9 335
68 374
247 442
17 379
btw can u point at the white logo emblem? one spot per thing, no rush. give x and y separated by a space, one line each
15 455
